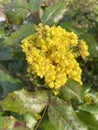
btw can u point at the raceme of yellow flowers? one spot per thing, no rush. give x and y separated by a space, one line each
51 54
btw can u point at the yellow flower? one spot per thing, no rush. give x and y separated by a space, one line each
90 99
83 49
50 55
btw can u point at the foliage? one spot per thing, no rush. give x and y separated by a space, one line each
26 103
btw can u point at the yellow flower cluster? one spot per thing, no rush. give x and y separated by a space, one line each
83 49
49 53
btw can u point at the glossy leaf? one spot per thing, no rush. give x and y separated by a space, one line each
91 120
8 83
34 5
89 108
17 36
53 14
17 11
63 117
71 28
23 102
71 91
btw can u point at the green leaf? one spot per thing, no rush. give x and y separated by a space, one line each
5 53
18 121
30 121
18 65
17 11
63 117
5 1
23 102
68 26
22 32
90 119
89 108
71 91
71 28
53 14
45 124
2 32
92 44
11 123
8 83
34 5
86 89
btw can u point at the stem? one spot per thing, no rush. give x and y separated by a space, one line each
42 116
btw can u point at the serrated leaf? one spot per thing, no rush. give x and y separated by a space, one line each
23 102
89 119
34 5
17 11
71 91
70 27
53 14
10 123
63 117
8 83
22 32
